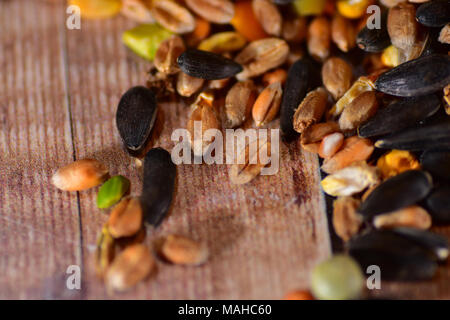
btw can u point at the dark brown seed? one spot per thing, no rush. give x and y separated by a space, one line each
158 186
417 77
397 192
428 137
438 204
400 115
135 117
434 13
398 257
281 2
207 65
437 163
374 40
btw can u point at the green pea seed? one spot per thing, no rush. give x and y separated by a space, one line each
145 39
112 191
338 278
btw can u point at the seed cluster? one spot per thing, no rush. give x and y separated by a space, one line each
373 103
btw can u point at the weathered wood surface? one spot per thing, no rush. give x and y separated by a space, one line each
58 97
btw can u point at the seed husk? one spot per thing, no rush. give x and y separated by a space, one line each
105 251
398 257
421 76
343 33
400 191
427 137
400 115
135 117
173 16
359 111
133 265
80 175
297 83
429 240
351 180
268 16
182 250
267 105
346 221
434 13
260 56
248 165
310 110
331 144
216 11
167 54
402 25
223 42
412 216
158 186
187 85
207 65
376 39
125 219
337 76
354 149
438 204
238 103
338 278
316 132
319 38
437 163
112 191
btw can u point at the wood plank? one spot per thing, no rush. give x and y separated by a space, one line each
39 226
264 237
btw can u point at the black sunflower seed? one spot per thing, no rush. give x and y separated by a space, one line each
397 257
438 204
374 40
421 76
397 192
434 13
282 1
158 186
437 163
300 77
433 242
207 65
436 136
399 115
135 117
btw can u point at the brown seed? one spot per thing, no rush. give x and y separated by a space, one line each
217 11
359 111
310 110
346 221
354 149
203 113
268 16
413 217
182 250
319 38
447 99
238 103
125 219
80 175
136 10
167 54
337 76
260 56
311 147
105 251
343 33
267 104
294 30
249 163
187 85
444 35
331 144
316 132
173 16
278 75
133 265
402 26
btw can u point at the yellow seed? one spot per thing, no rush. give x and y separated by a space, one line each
309 7
80 175
397 161
352 9
223 42
97 9
390 56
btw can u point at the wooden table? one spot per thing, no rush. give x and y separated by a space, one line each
58 95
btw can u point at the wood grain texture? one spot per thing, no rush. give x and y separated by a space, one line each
57 103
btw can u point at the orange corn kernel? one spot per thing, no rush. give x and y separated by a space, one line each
246 23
